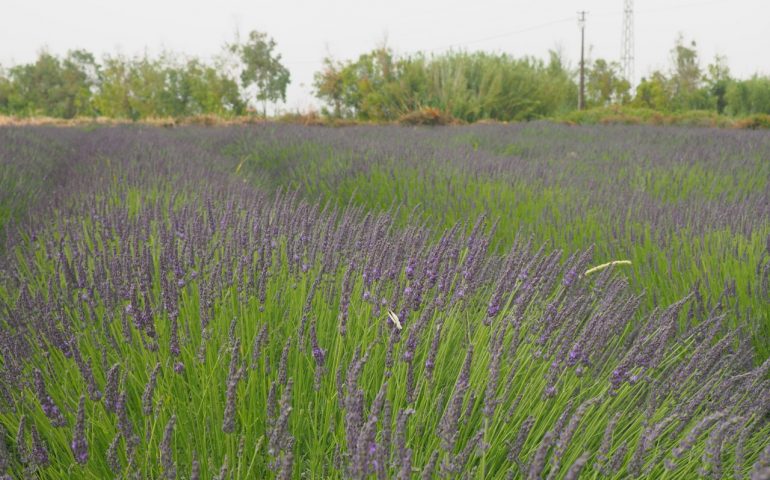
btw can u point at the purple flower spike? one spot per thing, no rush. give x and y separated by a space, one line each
574 355
569 277
618 375
39 451
410 270
46 402
319 354
79 444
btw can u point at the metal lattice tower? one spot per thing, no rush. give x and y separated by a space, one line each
627 44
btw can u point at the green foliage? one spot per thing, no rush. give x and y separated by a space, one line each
135 87
683 88
686 76
717 81
748 97
262 68
630 115
467 86
687 87
380 86
51 86
605 85
331 86
653 93
377 86
163 87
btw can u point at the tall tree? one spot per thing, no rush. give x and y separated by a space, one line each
653 92
748 97
717 80
114 98
54 87
605 84
330 85
262 69
686 76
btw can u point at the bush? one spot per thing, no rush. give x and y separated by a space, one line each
619 115
427 116
754 122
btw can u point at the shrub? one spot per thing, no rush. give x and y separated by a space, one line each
427 116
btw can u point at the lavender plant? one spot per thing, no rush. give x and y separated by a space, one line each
161 318
689 207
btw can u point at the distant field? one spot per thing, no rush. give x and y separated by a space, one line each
253 301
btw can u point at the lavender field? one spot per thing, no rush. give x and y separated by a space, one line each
278 301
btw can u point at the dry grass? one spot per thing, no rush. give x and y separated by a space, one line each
206 120
425 116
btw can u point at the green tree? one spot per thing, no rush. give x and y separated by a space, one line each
717 81
376 86
470 86
81 78
53 87
147 86
653 92
166 86
329 85
748 97
261 68
206 90
686 77
114 96
605 85
6 91
683 89
369 88
336 85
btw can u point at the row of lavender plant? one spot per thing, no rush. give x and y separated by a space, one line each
688 207
161 319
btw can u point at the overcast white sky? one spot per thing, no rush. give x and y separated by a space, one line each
306 30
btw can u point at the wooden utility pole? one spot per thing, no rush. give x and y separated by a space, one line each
582 94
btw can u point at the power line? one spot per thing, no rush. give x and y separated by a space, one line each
478 40
680 6
548 24
569 19
612 13
505 34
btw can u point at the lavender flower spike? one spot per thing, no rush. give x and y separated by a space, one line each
166 455
46 402
79 444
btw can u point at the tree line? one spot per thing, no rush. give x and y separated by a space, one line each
477 86
377 86
247 74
